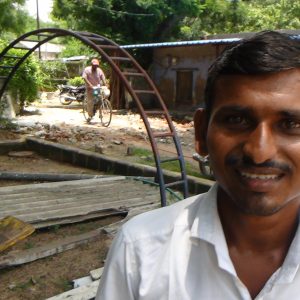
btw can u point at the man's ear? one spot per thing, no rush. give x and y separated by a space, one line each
200 126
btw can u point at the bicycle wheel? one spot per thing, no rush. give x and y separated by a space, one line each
65 99
105 112
84 108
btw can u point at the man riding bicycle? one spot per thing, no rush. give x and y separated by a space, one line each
93 77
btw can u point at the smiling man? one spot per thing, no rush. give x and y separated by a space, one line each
241 239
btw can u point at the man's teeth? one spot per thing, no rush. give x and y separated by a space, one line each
259 176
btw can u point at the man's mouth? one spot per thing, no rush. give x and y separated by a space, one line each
258 176
260 180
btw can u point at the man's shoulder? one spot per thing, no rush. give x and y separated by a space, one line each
87 69
162 220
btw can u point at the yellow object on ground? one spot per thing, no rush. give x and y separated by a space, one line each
13 230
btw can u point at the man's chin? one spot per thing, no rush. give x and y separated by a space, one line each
258 205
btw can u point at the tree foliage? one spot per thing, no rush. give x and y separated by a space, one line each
27 80
219 16
126 21
13 18
75 47
139 21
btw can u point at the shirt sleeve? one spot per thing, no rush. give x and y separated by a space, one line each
101 75
118 280
84 75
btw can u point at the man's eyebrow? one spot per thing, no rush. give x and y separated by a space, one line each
290 113
234 109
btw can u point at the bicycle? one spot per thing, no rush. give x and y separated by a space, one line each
101 103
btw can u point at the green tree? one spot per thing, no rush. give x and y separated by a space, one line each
233 16
273 14
26 81
126 21
12 17
74 47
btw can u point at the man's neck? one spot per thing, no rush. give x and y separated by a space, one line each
260 233
257 245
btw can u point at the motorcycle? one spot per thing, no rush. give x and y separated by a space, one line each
69 93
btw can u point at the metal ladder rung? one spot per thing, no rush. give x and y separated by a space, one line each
120 58
20 48
166 134
96 39
133 74
30 40
43 34
169 159
12 56
174 183
144 91
108 46
85 33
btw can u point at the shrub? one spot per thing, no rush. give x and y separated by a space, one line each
26 81
53 73
76 81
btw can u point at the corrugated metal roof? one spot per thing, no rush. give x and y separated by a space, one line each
190 43
183 43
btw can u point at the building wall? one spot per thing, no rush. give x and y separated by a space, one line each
168 62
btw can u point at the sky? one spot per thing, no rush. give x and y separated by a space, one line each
45 7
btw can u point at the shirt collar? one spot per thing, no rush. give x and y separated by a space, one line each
207 227
292 261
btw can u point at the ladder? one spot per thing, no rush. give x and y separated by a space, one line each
126 68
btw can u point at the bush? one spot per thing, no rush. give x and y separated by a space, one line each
25 83
53 73
76 81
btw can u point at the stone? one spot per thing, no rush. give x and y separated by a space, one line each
99 149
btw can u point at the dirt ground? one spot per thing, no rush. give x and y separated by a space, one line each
65 124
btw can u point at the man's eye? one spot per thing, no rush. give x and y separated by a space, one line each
291 124
236 120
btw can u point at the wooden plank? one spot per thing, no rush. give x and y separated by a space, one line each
74 200
60 184
29 255
113 228
62 202
97 273
25 256
24 195
85 292
34 216
84 210
41 197
76 219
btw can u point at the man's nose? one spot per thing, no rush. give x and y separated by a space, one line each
260 145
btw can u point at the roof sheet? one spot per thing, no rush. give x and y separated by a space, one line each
183 43
190 43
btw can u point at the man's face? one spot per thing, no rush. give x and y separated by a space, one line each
253 138
94 66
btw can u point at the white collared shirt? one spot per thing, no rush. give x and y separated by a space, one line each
179 252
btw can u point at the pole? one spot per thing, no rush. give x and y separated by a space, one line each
38 24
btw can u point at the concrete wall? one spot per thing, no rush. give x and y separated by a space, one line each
96 161
167 61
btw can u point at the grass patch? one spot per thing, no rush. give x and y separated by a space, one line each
146 157
63 284
29 245
23 285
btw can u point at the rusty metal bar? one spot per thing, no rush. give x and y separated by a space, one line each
90 39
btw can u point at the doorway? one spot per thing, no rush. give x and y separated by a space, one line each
184 87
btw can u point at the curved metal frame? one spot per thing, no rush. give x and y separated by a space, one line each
89 39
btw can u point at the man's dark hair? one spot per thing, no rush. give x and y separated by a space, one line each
265 52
